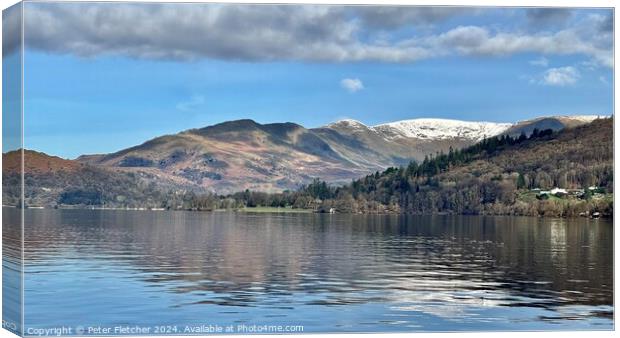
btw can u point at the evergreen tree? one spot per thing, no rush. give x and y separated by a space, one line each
521 181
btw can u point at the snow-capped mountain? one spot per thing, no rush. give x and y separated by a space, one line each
236 155
582 118
349 125
441 129
431 129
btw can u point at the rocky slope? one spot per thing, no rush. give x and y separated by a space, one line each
238 155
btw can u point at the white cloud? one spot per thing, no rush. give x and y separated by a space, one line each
352 85
192 104
295 32
475 40
216 31
563 76
541 61
603 80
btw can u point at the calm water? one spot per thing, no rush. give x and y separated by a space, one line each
326 272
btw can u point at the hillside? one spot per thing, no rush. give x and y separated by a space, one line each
235 156
239 155
37 163
554 123
51 181
495 176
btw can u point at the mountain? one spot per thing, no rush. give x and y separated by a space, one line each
495 176
400 142
176 170
243 154
36 163
364 147
236 155
554 123
50 181
442 129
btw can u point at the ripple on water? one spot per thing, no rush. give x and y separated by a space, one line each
340 273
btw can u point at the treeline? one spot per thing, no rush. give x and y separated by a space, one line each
90 186
310 196
433 165
494 176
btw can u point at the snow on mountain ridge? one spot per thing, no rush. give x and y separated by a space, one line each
437 129
585 118
351 125
580 118
443 129
348 123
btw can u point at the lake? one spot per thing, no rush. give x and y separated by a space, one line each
101 269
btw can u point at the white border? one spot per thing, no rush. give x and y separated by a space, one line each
481 3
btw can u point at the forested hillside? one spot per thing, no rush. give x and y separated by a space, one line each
495 176
51 181
237 155
505 175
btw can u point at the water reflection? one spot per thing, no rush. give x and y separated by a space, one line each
390 270
12 270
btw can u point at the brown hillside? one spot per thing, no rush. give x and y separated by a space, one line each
37 163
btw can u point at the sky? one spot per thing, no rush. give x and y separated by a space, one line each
100 77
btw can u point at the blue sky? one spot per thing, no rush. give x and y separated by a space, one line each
93 85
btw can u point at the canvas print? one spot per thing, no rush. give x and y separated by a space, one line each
221 168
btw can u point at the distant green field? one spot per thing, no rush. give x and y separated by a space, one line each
275 210
528 196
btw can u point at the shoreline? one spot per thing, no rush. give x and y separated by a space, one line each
288 210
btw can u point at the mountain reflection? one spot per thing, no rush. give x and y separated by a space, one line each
436 264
